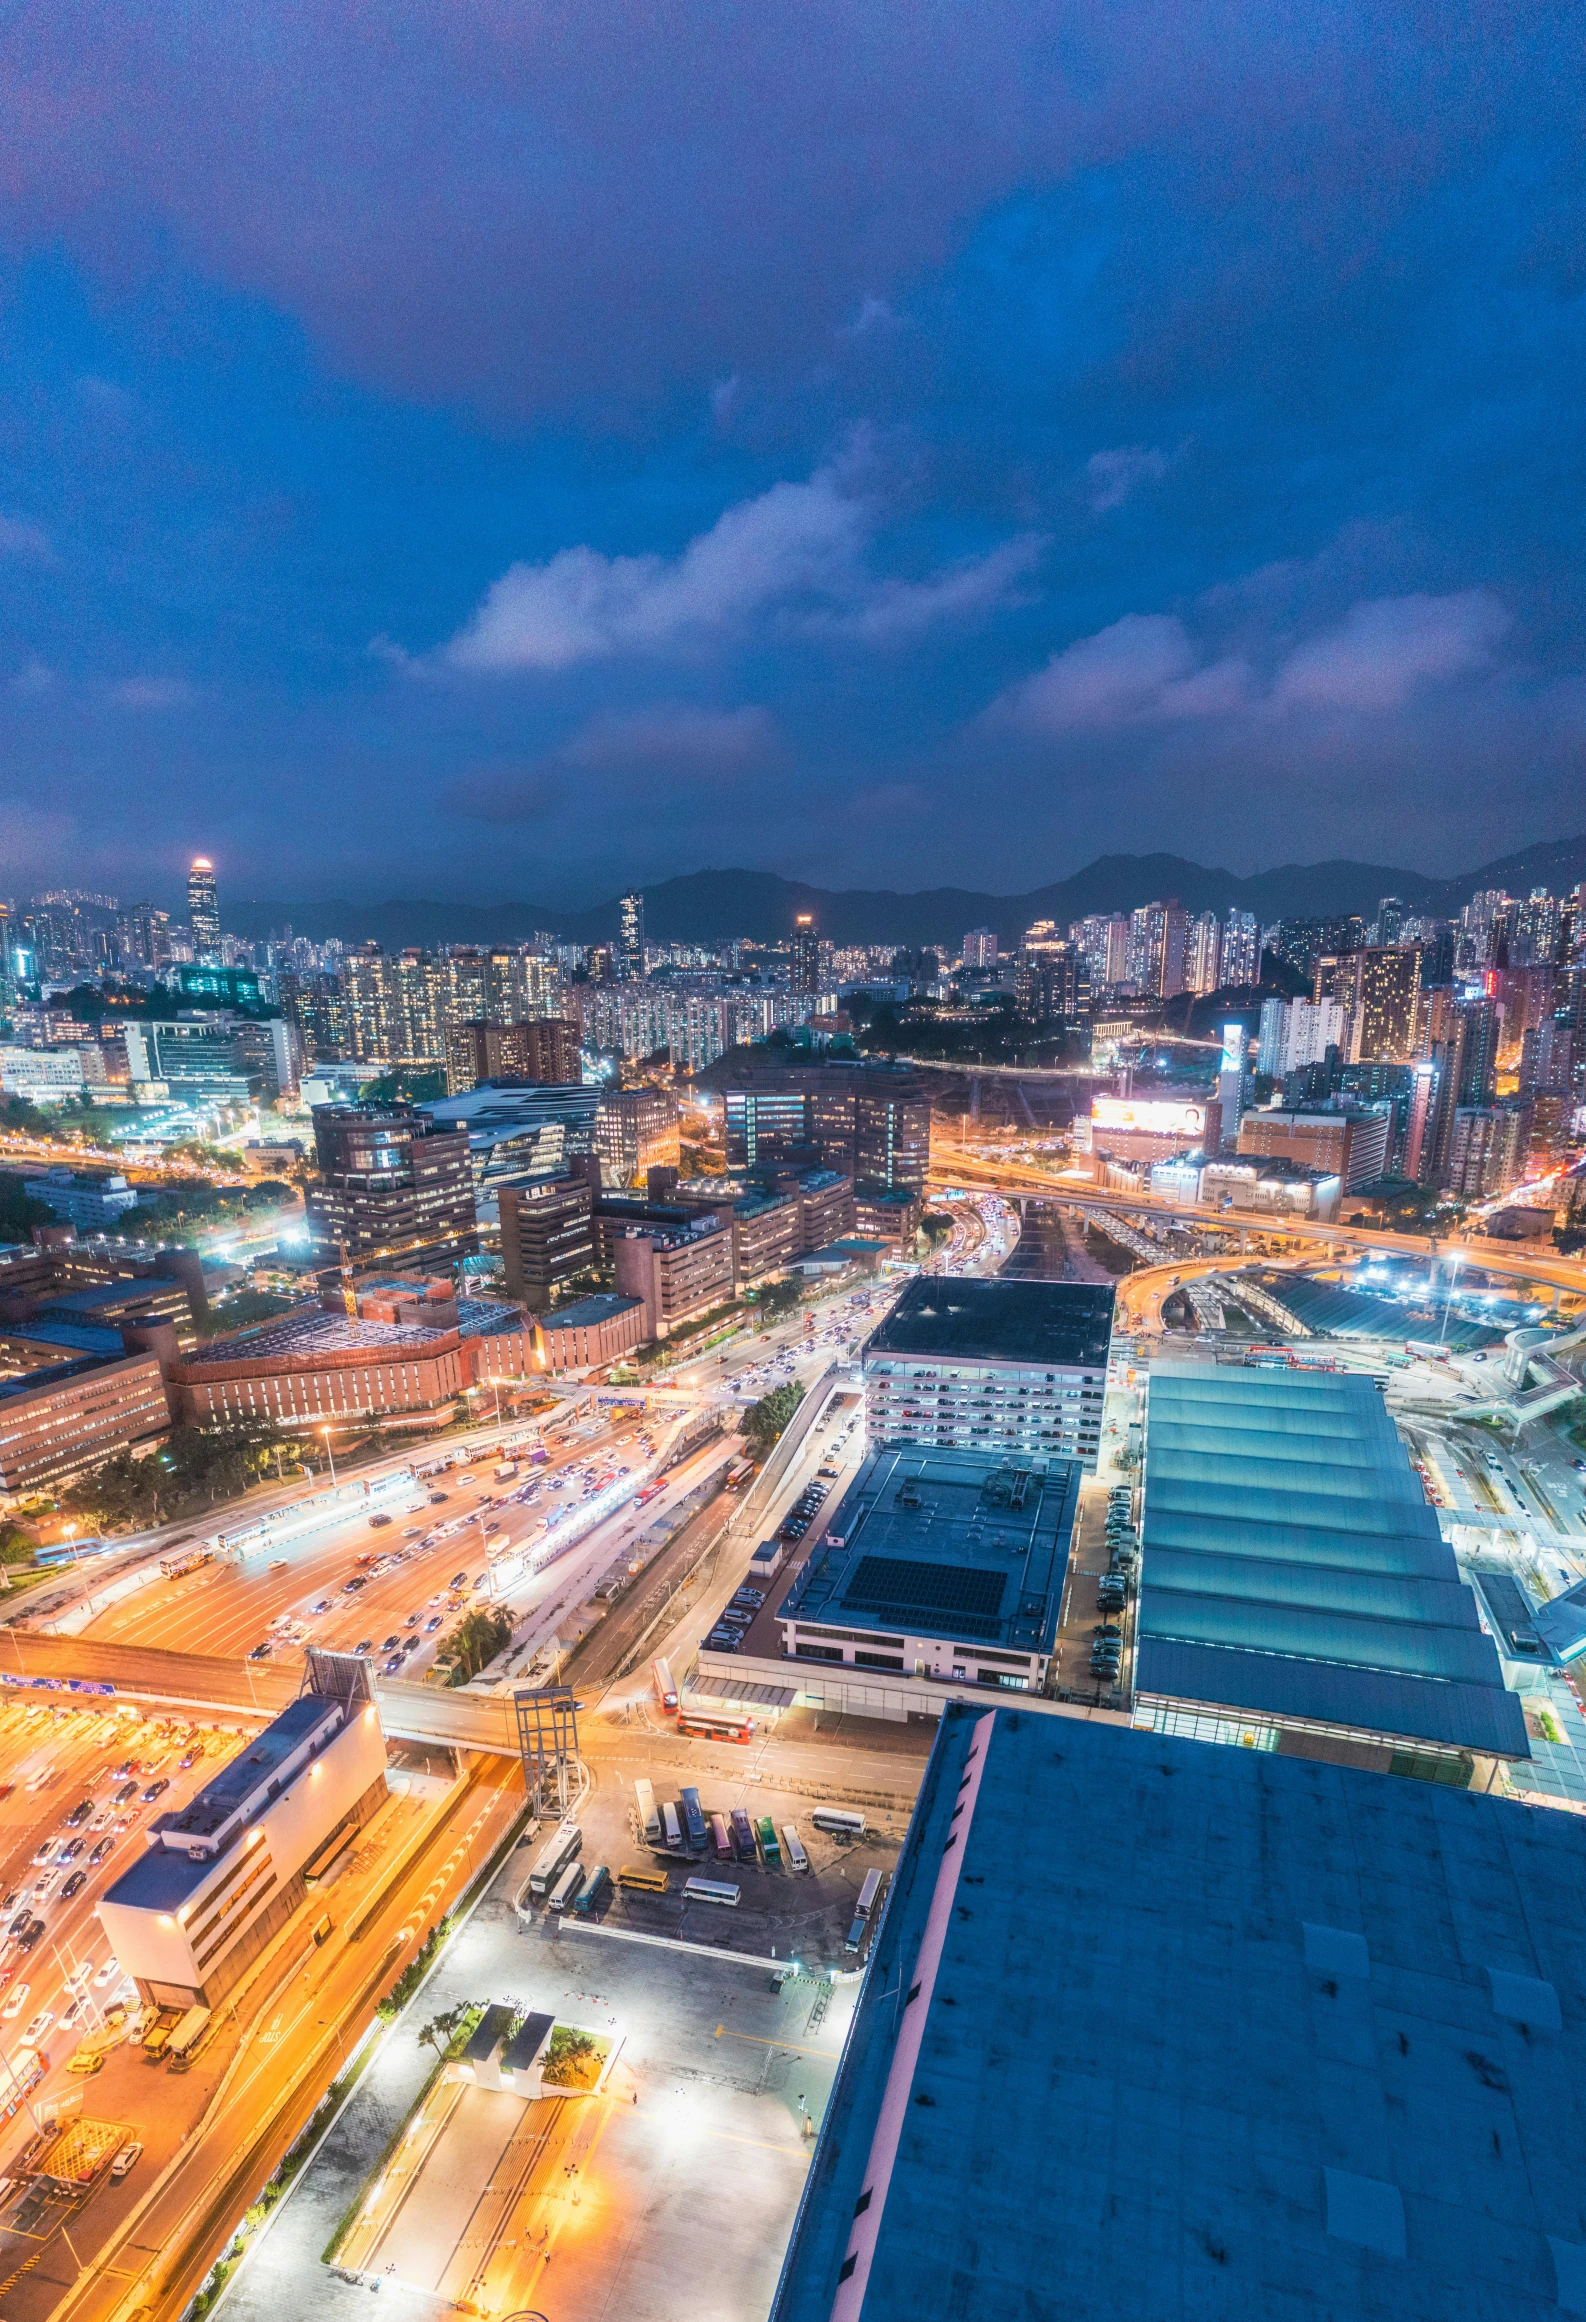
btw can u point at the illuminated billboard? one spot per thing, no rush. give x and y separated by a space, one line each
1233 1048
1147 1117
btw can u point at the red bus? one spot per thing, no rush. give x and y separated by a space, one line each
665 1690
732 1725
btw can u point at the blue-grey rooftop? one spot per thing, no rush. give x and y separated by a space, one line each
1292 1567
945 1544
973 1318
1232 2037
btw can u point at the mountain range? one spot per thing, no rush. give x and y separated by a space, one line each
711 906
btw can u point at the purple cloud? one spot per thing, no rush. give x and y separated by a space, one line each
1140 670
798 549
1385 650
673 750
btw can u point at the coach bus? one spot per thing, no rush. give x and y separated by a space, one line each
765 1830
839 1821
867 1894
693 1819
711 1891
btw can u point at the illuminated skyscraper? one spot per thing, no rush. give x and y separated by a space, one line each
806 975
630 939
203 908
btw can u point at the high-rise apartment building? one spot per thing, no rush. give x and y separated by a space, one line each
1390 919
390 1181
1203 954
805 967
1239 964
629 960
1052 979
542 1050
1487 1149
980 948
1158 936
1383 999
203 908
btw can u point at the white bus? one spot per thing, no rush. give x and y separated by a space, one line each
711 1891
567 1888
649 1815
557 1852
797 1859
840 1821
868 1892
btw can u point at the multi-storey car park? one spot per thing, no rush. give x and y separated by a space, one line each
999 1367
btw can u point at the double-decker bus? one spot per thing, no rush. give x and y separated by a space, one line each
186 1560
665 1690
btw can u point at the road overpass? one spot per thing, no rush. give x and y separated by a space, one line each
1016 1181
416 1713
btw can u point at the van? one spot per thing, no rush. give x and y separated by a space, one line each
798 1860
671 1828
158 2037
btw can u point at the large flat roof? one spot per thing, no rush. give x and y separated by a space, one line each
310 1331
966 1318
1228 2037
945 1544
1291 1566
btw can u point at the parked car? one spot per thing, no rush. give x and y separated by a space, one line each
128 2158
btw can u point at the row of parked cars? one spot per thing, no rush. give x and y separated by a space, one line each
1116 1584
735 1620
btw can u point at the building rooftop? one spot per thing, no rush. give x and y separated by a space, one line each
588 1313
945 1544
1292 1567
960 1318
488 1318
311 1717
310 1331
86 1338
1235 2038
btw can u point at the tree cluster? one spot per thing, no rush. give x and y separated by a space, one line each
764 1421
193 1469
478 1637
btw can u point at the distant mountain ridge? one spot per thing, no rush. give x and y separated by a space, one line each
709 906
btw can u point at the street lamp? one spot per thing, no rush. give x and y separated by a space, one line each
330 1455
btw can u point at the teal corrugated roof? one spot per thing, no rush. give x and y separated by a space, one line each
1410 1648
1284 1529
1418 1550
1387 1596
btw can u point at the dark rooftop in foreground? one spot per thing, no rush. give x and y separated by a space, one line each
964 1318
945 1544
1238 2038
1292 1568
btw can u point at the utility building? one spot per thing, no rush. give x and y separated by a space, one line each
993 1366
222 1875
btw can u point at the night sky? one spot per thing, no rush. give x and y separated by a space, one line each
495 451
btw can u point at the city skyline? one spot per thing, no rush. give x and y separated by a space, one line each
1098 431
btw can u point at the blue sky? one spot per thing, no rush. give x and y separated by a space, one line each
491 453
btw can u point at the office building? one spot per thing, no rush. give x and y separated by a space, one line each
588 1333
636 1130
1294 1580
203 909
676 1272
41 1076
1277 1188
868 1121
980 948
193 1060
1151 2029
938 1566
1350 1143
991 1365
218 1878
59 1419
547 1237
888 1214
390 1180
91 1204
628 957
1052 978
518 1133
540 1049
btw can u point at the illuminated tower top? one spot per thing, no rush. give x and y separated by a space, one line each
203 908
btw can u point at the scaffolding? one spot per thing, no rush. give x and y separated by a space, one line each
548 1746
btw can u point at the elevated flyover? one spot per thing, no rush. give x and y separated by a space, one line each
198 1681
